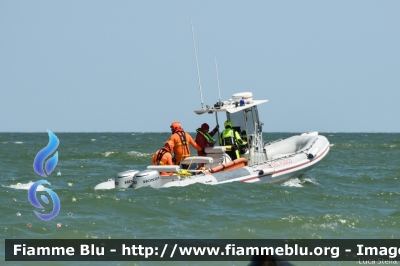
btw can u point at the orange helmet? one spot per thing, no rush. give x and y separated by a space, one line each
175 125
169 145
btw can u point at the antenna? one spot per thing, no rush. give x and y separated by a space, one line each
219 91
197 65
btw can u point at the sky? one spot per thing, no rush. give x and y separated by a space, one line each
130 66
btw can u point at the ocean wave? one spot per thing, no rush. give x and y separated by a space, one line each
108 153
295 182
310 180
129 153
25 186
352 145
139 154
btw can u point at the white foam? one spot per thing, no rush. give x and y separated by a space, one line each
26 186
311 180
295 182
136 153
108 153
18 142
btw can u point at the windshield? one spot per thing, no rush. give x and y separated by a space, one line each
245 119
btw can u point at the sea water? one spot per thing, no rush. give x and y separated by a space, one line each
353 193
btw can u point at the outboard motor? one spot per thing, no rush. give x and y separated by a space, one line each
125 179
147 178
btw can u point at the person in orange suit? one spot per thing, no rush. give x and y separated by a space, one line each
164 156
181 141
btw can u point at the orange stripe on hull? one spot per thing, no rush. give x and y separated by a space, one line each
237 163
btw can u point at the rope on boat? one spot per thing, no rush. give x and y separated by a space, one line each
183 173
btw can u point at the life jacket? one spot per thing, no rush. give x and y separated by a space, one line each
182 136
228 137
205 135
160 155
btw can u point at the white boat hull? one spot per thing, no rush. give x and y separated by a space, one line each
290 158
274 162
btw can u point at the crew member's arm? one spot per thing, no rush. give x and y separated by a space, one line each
193 143
215 130
169 158
154 159
239 139
174 139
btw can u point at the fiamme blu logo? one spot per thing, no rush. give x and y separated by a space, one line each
44 169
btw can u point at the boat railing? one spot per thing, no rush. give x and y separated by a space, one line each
164 168
256 154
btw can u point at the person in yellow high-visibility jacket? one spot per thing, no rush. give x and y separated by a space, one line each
231 140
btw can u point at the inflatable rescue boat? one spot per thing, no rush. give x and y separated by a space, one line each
272 162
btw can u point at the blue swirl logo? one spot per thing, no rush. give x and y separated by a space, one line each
32 198
45 171
44 153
